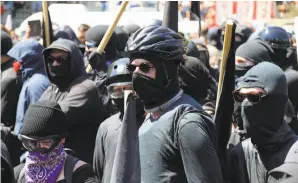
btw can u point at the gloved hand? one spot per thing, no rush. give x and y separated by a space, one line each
97 60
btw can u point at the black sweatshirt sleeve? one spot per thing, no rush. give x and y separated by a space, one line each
198 151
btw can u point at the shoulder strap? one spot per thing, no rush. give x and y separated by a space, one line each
69 165
21 175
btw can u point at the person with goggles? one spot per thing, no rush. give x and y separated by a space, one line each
262 94
119 80
43 135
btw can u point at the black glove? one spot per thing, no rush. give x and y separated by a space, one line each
98 61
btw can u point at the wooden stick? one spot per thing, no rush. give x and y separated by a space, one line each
225 53
109 32
46 22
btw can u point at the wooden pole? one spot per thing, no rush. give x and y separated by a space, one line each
109 32
225 53
46 22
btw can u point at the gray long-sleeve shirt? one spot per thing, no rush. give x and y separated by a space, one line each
179 146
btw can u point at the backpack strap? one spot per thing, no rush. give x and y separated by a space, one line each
69 165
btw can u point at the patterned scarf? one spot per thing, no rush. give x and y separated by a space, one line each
44 168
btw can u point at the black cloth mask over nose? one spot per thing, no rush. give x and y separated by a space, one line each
263 121
60 70
155 92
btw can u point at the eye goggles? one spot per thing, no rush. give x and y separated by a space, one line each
51 59
41 144
116 90
253 98
145 68
90 45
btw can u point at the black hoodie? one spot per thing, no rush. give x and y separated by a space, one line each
196 81
271 138
79 99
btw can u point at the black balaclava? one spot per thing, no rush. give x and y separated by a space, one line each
72 68
254 51
195 79
6 43
263 121
155 92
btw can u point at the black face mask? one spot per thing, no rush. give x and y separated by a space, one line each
241 70
148 89
62 70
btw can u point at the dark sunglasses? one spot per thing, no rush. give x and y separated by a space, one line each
44 144
51 59
143 67
253 98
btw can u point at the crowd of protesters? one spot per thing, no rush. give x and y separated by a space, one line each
60 123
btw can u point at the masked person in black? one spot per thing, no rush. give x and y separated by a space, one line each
10 87
77 95
279 40
263 95
196 81
100 62
93 38
118 80
249 54
43 135
176 140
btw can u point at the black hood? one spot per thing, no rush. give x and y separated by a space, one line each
6 165
264 121
95 34
195 79
122 37
77 62
264 118
255 51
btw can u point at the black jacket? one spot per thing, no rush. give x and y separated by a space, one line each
80 101
10 91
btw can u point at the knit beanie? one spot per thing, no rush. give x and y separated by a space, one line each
6 43
44 118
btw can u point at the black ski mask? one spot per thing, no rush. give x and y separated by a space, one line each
59 72
254 51
155 92
261 120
